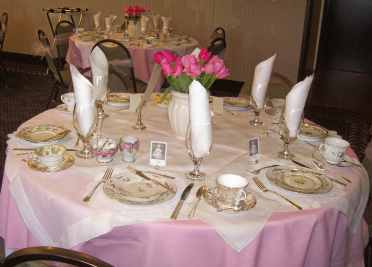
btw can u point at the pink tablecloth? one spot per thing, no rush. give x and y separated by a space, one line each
316 237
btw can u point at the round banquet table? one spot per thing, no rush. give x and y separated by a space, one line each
141 52
47 209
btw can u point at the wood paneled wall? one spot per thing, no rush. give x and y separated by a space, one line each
255 28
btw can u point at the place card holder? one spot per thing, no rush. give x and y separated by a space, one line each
254 150
217 105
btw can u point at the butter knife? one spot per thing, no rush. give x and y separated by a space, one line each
184 195
144 176
300 164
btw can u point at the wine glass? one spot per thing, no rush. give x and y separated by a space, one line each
287 140
195 174
257 110
85 127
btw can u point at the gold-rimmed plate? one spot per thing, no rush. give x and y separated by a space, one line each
236 103
43 133
129 188
68 161
299 180
248 203
118 99
311 132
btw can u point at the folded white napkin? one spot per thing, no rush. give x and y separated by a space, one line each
295 103
99 66
85 111
200 120
261 79
96 19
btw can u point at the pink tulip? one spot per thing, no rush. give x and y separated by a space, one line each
204 55
166 55
191 66
178 68
216 67
166 67
223 73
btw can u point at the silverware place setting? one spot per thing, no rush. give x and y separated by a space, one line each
104 179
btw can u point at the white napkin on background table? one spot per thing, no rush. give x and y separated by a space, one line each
85 104
100 72
295 103
262 74
200 120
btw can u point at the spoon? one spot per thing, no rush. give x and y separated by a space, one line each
199 193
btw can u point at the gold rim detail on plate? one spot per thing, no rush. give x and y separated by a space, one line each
137 191
313 131
248 203
237 102
42 133
118 98
299 180
68 161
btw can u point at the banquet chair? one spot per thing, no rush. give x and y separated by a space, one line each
120 61
217 47
219 32
55 71
63 30
48 256
3 29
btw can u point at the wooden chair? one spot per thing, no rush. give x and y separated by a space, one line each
64 29
120 61
217 47
3 28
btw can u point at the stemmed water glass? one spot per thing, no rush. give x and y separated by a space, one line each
195 174
257 110
84 134
287 140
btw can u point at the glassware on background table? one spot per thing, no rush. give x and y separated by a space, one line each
195 174
85 132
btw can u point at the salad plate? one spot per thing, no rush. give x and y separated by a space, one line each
312 133
44 133
120 100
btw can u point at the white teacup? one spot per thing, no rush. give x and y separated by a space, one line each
231 189
50 156
333 149
69 100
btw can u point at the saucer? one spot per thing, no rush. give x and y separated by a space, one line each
248 203
67 162
318 156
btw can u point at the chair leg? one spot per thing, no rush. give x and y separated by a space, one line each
133 80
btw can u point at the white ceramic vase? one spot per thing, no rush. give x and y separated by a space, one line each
178 113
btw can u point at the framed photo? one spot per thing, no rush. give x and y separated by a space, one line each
254 148
158 153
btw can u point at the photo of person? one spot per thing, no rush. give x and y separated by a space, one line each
158 153
253 146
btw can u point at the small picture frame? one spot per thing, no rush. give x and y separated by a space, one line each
158 153
254 149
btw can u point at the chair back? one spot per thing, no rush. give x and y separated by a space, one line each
3 28
64 29
217 47
120 60
52 255
219 32
48 54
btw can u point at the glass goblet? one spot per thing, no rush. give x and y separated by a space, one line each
195 174
257 110
287 140
85 127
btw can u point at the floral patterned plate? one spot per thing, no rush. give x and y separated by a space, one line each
311 132
68 161
42 133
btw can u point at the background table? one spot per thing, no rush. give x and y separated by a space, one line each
142 54
313 237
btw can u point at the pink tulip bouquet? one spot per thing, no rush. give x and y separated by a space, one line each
181 71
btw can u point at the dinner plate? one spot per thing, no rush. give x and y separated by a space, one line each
129 188
299 180
44 133
236 104
118 100
68 161
210 198
312 133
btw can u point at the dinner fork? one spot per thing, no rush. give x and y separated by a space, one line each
264 189
104 179
265 167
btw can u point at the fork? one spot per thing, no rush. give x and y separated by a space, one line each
264 189
266 167
104 179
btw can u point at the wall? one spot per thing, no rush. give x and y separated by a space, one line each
255 28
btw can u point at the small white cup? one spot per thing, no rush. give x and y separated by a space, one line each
231 189
50 156
333 149
69 100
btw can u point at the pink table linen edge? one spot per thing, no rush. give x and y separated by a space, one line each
316 237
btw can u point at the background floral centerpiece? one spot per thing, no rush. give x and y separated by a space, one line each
133 12
180 71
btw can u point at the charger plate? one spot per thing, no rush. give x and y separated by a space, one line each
68 161
42 133
132 189
311 133
246 204
299 180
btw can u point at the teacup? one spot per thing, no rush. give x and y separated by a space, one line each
50 156
333 149
231 190
69 100
104 149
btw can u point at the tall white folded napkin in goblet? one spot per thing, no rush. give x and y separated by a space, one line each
295 103
261 79
99 66
96 19
200 120
84 101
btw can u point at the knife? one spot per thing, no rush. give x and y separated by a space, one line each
300 164
184 195
144 176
